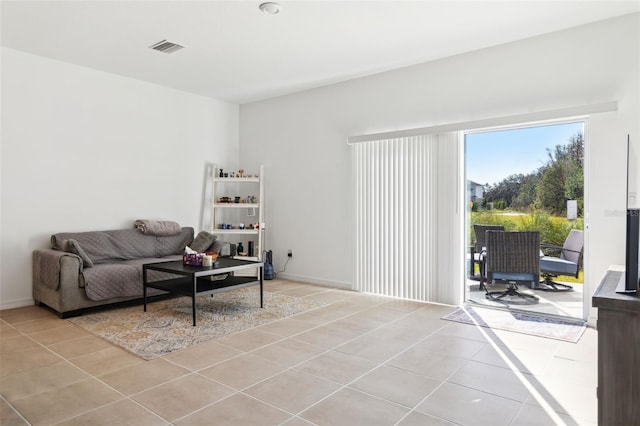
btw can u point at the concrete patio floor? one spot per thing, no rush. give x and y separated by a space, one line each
562 303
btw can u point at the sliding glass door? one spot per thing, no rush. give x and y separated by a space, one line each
526 179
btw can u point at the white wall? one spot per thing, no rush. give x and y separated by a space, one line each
87 150
301 138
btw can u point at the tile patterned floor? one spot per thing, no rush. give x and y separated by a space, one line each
360 360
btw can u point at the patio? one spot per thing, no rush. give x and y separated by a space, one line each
562 303
519 256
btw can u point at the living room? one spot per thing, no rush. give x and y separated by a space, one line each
60 140
86 149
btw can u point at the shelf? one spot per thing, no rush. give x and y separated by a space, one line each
252 258
203 285
242 179
237 205
236 231
234 213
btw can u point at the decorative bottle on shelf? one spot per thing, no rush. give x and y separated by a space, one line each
221 174
240 248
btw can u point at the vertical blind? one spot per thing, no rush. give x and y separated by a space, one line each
406 217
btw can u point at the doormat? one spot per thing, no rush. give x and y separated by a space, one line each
535 325
167 326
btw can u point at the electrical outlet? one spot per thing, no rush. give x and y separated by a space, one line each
290 253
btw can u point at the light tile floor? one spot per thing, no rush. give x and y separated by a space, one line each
359 360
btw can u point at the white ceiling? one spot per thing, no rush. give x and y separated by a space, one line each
236 53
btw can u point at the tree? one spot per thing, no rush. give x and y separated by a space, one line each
547 188
506 190
526 197
550 191
574 188
562 177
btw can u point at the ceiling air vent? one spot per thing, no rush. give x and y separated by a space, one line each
165 46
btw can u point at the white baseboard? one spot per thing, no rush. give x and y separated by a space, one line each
18 303
313 280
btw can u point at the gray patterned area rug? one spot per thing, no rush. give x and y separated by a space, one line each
167 326
537 325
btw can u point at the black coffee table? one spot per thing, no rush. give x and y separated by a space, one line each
195 280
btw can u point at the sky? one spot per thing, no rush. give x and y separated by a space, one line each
492 156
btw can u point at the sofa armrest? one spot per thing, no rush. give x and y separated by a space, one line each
52 267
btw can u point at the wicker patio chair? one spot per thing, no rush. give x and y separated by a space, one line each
512 257
568 262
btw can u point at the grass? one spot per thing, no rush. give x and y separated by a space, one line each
553 229
571 278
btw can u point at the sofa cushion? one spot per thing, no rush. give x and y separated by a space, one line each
154 275
173 244
124 244
108 280
110 246
72 246
202 241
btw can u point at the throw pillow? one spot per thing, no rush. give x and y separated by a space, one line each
216 247
202 241
72 246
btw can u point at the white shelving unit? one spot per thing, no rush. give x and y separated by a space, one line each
235 213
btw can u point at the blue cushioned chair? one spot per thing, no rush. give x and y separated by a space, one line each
567 264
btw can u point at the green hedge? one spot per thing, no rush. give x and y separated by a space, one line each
553 229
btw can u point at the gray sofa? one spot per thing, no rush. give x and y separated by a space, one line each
88 269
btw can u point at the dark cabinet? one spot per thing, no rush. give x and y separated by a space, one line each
618 353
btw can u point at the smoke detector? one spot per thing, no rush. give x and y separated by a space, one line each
270 8
165 46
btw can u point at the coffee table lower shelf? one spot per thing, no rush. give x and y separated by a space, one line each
199 281
204 286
